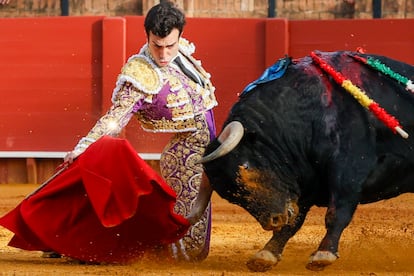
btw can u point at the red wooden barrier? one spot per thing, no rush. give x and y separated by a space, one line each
57 74
50 81
390 37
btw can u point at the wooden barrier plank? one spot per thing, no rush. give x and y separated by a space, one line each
276 39
31 168
113 55
390 37
13 171
45 168
50 77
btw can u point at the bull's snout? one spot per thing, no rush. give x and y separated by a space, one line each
278 220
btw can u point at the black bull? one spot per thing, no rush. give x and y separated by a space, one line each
304 140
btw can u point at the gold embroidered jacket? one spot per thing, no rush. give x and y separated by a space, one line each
162 98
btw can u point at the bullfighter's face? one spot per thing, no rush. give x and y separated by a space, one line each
164 49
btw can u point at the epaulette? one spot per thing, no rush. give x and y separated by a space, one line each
142 73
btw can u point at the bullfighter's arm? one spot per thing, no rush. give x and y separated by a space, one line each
127 101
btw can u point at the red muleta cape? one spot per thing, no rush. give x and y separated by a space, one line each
109 206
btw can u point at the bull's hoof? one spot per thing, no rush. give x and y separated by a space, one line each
320 259
262 261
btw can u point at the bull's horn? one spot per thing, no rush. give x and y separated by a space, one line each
229 139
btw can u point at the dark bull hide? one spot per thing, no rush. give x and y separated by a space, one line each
301 139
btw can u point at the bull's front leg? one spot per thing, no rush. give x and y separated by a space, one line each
337 219
271 254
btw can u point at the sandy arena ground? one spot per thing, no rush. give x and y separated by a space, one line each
379 241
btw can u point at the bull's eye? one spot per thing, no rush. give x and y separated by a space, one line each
290 211
245 165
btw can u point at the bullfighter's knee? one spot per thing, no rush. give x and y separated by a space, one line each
262 261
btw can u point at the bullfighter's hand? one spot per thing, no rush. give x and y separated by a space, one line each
70 156
4 2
